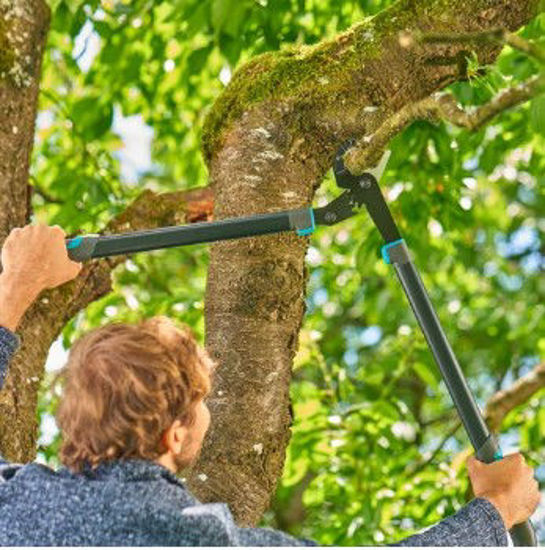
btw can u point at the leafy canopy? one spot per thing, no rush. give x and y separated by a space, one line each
376 447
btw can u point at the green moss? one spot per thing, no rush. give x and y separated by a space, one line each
305 75
318 75
7 55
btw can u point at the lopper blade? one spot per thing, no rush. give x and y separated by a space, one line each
378 170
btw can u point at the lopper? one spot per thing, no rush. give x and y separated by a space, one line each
359 191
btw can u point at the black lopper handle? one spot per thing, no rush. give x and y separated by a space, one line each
485 444
94 246
523 534
81 248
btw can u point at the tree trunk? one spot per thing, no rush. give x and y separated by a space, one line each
23 32
269 141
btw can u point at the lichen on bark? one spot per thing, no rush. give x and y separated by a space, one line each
15 47
7 56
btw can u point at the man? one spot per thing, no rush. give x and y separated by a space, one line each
133 414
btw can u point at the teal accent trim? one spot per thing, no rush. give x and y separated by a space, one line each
384 250
308 230
74 243
498 455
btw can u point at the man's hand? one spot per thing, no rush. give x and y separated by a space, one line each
509 484
34 258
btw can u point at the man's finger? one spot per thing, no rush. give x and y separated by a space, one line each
59 229
76 268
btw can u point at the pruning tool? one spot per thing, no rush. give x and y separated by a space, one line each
359 191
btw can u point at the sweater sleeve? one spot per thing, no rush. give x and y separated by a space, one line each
9 343
214 526
477 524
263 536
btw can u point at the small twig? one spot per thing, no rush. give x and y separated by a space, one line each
84 49
450 415
413 469
44 194
440 106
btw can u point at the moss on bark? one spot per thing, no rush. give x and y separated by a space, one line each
7 55
318 74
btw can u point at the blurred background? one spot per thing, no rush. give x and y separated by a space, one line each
377 451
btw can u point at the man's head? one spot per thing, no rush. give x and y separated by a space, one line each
135 391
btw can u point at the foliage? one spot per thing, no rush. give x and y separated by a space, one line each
374 436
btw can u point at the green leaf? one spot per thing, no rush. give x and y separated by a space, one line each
537 114
74 5
427 374
53 5
92 118
220 10
228 16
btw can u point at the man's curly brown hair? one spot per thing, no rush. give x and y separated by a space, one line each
125 386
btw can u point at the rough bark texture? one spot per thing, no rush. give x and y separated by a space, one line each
23 31
270 140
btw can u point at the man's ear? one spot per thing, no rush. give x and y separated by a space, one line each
174 437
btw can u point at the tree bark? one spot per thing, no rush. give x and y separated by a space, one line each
23 32
269 141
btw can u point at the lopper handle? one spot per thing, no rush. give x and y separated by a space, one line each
86 247
523 534
485 444
81 248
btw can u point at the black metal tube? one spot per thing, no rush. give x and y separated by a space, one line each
140 241
444 356
485 444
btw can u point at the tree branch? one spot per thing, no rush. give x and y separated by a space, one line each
291 511
149 211
47 197
498 36
502 402
435 108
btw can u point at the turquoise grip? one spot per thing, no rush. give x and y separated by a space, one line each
81 248
74 243
384 250
310 229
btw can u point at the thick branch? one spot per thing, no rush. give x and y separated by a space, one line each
368 151
23 32
149 211
521 391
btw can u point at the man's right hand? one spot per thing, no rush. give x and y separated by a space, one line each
509 484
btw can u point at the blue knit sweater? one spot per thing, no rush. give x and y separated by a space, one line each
140 503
